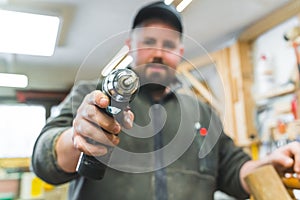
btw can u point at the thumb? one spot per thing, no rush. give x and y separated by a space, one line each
126 119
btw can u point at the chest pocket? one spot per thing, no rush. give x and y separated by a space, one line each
207 155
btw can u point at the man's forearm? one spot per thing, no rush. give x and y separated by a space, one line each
67 155
248 167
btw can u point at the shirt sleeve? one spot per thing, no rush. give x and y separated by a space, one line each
232 159
43 160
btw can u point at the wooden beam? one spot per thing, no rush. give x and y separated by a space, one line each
230 96
265 184
15 162
198 62
276 17
208 96
38 95
246 66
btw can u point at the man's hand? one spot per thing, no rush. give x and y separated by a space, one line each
93 129
286 159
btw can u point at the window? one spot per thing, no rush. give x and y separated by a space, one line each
20 125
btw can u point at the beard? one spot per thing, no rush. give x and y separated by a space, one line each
152 87
155 76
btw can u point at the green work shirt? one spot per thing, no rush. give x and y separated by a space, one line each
196 165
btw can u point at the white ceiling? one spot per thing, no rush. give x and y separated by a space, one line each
101 26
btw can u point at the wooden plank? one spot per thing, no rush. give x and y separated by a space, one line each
247 78
280 15
239 105
198 62
202 90
223 67
14 162
265 184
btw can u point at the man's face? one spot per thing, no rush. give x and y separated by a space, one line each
157 50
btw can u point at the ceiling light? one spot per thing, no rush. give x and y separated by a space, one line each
31 34
183 5
13 80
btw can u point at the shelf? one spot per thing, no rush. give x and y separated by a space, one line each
277 92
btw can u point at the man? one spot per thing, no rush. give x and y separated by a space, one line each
158 152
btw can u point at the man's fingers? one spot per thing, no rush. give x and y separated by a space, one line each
100 118
82 145
287 158
98 98
89 130
128 118
295 149
95 115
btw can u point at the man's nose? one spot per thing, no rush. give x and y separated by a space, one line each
158 52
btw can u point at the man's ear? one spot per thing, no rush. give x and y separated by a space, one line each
181 50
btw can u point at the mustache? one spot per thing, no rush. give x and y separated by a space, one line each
158 62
